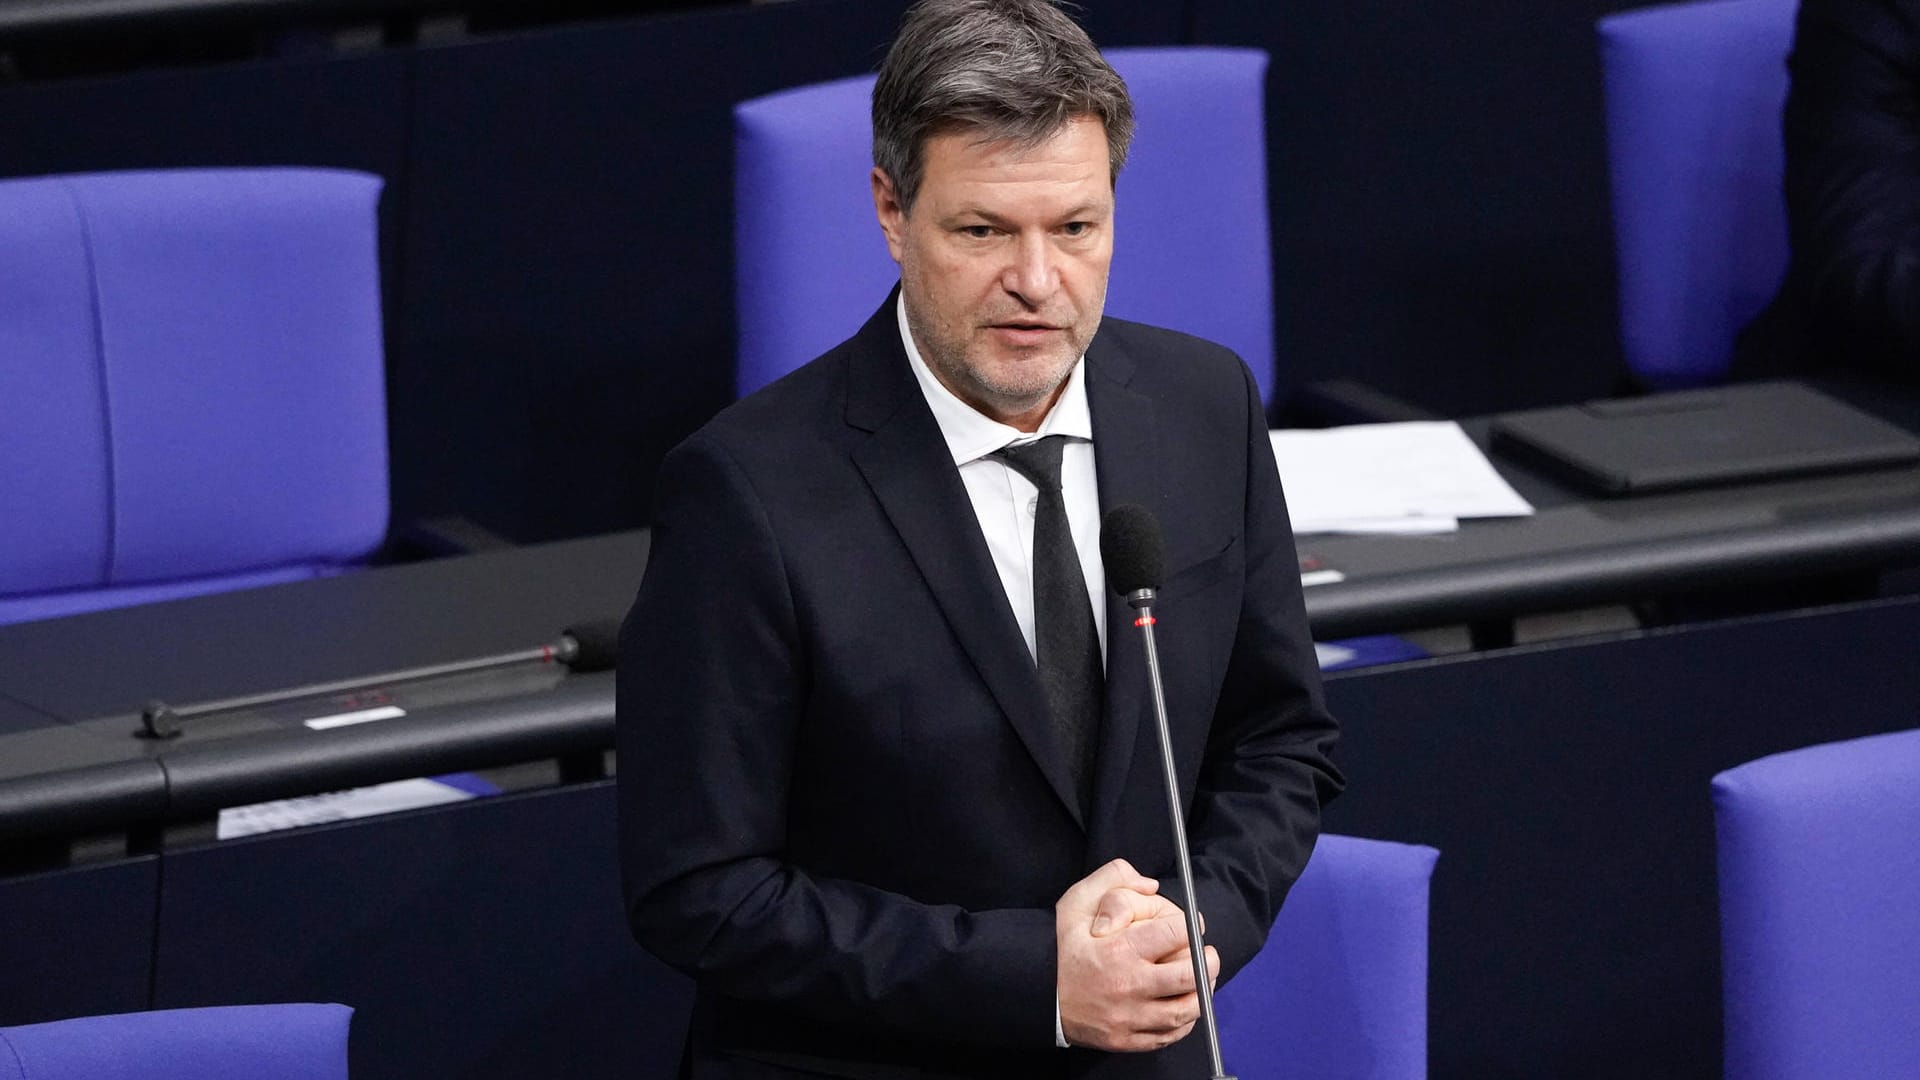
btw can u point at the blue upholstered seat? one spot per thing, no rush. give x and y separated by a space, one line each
241 1042
1820 911
1339 992
191 384
1693 99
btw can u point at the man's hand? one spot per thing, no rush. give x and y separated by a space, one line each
1125 978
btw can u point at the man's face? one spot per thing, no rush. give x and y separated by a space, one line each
1003 263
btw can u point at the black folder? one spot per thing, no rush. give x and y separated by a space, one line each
1697 438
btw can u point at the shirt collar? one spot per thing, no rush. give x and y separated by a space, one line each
971 434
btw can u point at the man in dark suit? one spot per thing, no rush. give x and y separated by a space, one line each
889 778
1851 301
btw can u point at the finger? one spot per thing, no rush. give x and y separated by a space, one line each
1170 979
1141 1025
1141 1042
1213 967
1168 1015
1153 940
1084 895
1121 908
1160 938
1150 1025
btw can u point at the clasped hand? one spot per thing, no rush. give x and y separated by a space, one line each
1125 976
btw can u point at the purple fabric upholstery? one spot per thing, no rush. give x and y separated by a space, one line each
242 1042
1693 99
191 381
1820 911
1340 989
1191 240
54 518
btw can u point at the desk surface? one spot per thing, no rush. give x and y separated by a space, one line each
1577 552
1572 553
111 663
71 689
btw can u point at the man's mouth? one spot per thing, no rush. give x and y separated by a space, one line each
1024 333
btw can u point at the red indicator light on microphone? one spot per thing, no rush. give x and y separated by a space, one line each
1146 620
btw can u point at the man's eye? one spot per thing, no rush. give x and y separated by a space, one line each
978 232
1077 228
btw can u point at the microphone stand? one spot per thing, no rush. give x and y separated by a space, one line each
1141 600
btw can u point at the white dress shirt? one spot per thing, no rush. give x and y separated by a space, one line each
1006 502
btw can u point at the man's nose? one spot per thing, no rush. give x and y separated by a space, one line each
1032 275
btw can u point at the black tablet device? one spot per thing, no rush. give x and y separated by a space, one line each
1697 438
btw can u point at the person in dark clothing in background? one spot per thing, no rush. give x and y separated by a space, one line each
1850 305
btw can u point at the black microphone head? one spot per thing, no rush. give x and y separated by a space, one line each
596 645
1132 549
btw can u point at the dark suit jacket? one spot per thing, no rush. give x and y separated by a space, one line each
841 809
1851 301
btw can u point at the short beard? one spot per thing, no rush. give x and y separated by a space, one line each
949 361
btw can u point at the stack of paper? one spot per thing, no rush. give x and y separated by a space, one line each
236 821
1408 478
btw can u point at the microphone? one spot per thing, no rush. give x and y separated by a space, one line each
589 646
583 647
1135 557
1134 554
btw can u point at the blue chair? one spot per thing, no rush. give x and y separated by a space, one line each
1191 246
1693 99
1339 992
1191 242
192 394
241 1042
1819 854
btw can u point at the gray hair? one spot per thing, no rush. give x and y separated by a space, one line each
1012 69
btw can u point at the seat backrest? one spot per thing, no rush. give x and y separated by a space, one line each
191 376
1819 853
1191 243
1340 988
1693 99
240 1042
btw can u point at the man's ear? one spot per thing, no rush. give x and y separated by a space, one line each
893 216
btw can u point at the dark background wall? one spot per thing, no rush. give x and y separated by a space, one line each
1438 177
558 217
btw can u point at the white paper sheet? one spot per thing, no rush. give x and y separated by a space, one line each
360 716
1328 655
335 806
1416 477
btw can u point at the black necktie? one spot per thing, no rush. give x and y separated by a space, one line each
1067 646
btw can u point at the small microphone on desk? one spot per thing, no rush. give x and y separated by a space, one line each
582 647
590 646
1135 557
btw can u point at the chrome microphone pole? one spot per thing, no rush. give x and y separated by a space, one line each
1141 600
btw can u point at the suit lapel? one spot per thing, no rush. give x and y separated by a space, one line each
1127 453
906 463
